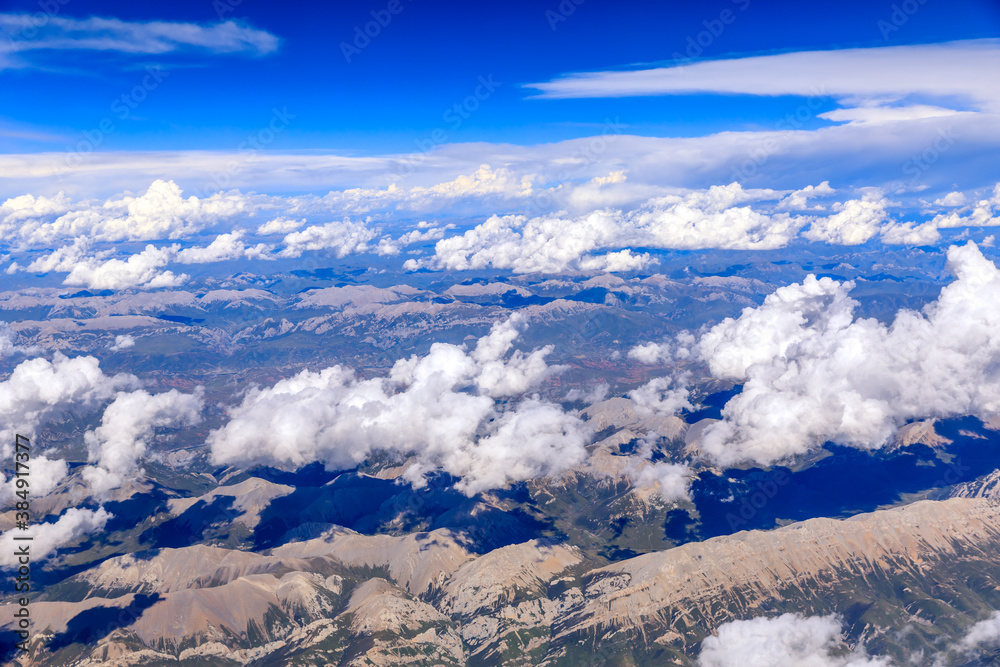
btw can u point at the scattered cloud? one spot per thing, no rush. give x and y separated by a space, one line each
118 445
671 480
789 640
812 372
449 401
985 633
45 474
39 389
73 525
122 342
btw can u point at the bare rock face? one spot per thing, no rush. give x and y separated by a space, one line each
921 432
497 578
987 486
825 565
169 570
620 413
351 599
416 562
250 498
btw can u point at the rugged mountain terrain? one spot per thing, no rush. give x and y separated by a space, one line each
906 580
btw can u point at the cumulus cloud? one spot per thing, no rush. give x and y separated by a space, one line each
73 525
8 344
854 222
39 389
280 225
447 400
122 342
160 213
224 247
344 237
812 372
985 213
985 633
799 200
345 222
143 270
789 640
671 480
44 476
120 442
680 348
661 397
708 219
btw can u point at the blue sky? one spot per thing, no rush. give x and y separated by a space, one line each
396 91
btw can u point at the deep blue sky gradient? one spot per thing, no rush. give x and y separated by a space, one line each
396 91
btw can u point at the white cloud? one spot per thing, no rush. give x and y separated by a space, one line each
562 173
813 373
700 219
951 200
122 342
160 213
44 475
280 225
143 270
789 640
120 442
960 70
984 633
854 222
886 114
343 237
985 213
799 200
651 353
73 525
672 480
589 396
661 397
8 346
446 399
39 389
654 353
224 247
23 33
724 217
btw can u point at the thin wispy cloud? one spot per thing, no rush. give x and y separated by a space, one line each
21 36
962 71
